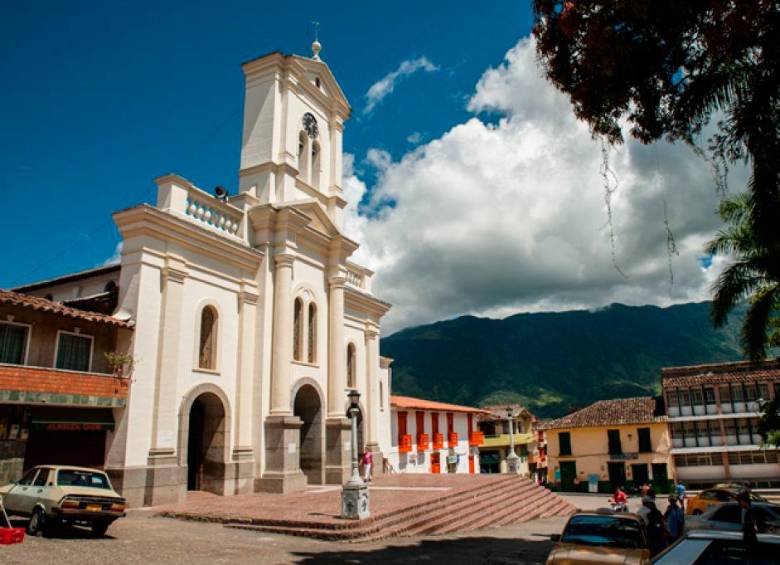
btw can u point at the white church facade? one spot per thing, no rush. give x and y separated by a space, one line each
251 324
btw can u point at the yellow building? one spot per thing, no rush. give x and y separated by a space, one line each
494 423
610 443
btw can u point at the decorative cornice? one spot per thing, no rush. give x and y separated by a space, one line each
283 260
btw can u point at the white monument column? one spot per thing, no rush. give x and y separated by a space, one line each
372 396
337 355
282 429
281 353
337 425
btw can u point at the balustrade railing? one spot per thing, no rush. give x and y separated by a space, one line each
207 210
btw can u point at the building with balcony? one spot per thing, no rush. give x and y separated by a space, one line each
60 396
713 414
434 437
252 322
494 424
611 443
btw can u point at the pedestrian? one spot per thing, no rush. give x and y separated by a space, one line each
748 518
367 461
656 530
675 519
644 509
680 492
645 489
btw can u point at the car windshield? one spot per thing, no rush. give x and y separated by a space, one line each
74 478
603 530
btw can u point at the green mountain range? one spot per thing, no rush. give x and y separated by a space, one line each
556 362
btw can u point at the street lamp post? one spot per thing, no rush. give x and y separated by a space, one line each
354 494
512 460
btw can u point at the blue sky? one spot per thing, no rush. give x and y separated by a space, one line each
101 97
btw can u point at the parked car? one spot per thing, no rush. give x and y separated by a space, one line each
601 537
52 495
704 547
712 497
728 516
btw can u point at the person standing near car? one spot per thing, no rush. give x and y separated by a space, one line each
656 529
675 519
749 528
680 491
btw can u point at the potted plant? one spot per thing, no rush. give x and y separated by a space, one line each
121 364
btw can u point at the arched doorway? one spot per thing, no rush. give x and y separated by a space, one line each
308 407
206 443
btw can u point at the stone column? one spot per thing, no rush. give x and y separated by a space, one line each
282 429
372 397
168 478
337 433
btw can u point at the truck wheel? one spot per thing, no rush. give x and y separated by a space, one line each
99 529
37 523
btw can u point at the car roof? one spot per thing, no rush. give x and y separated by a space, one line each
729 535
69 468
608 512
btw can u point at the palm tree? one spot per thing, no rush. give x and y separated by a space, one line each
754 275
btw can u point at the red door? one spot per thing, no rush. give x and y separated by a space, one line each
471 464
435 463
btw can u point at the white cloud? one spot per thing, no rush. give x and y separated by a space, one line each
385 86
495 219
414 138
115 258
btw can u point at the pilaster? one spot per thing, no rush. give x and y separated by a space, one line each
282 334
166 406
337 365
247 312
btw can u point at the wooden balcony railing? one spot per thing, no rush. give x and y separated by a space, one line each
423 442
438 441
405 445
476 439
452 440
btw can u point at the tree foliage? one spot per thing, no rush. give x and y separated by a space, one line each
666 68
769 423
754 275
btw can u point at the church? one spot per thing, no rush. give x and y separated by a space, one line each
250 322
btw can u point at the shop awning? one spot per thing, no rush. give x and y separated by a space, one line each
72 419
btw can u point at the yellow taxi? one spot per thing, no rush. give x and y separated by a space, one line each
703 501
603 537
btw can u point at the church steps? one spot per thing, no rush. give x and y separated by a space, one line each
450 515
449 510
466 510
479 519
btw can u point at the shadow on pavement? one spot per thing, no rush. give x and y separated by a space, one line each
450 551
63 531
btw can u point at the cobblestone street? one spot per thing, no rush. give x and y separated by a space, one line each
143 539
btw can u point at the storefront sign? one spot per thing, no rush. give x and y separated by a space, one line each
75 427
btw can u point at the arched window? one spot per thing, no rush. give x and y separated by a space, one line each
351 366
312 333
303 155
315 165
298 330
207 352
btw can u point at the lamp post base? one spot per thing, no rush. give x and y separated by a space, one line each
354 501
513 464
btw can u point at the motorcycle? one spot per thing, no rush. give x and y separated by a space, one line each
618 506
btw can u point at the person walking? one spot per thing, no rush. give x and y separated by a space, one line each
675 519
367 461
749 527
680 492
656 529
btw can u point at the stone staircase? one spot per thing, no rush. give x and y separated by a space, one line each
496 503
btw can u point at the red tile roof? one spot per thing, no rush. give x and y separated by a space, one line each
410 403
619 411
716 373
43 305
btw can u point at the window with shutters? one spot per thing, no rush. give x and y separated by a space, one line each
564 443
207 347
613 437
13 343
645 445
74 351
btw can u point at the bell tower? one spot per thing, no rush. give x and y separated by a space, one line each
291 148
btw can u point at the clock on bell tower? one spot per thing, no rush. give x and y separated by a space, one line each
291 148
